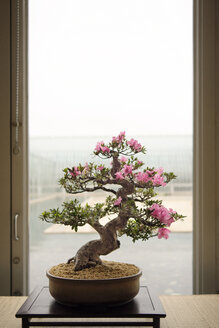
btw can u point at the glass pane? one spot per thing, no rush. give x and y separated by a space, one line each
97 68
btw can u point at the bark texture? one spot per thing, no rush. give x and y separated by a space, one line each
89 254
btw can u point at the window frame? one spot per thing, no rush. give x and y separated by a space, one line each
19 160
204 148
14 164
5 142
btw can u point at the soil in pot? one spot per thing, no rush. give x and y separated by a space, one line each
106 270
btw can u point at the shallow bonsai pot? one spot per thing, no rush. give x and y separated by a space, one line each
111 292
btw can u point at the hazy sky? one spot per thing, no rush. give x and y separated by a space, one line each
101 67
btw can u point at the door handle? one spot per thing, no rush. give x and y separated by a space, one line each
15 227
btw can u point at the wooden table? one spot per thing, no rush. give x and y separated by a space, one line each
145 310
196 311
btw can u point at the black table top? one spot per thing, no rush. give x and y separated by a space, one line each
40 304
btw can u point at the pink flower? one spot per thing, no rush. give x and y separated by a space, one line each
170 221
150 172
132 142
105 149
118 201
127 169
74 172
143 177
100 168
101 147
163 233
156 211
86 168
138 147
77 172
98 146
119 138
119 176
123 159
159 170
162 214
158 180
171 211
135 145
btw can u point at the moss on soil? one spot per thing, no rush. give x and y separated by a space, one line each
107 270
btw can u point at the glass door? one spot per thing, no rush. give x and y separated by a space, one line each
97 68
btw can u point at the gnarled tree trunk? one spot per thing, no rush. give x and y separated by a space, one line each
89 254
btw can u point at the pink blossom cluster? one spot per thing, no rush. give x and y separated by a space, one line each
134 144
119 176
152 175
119 138
75 172
143 177
123 159
162 214
163 233
79 171
159 170
118 201
158 180
86 169
100 147
127 169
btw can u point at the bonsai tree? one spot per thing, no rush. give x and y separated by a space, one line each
130 202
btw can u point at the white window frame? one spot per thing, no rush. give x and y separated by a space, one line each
14 168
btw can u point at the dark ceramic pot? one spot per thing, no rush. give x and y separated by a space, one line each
110 292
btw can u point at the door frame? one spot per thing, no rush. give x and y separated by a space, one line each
204 148
14 167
